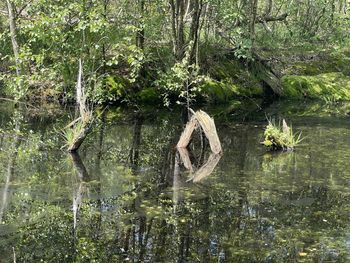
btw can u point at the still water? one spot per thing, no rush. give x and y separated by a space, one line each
126 197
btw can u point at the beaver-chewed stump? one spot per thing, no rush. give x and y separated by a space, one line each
203 120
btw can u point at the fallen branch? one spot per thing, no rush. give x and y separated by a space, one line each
265 19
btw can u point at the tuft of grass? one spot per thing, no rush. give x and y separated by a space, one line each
279 137
75 129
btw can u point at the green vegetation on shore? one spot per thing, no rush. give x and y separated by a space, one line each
174 52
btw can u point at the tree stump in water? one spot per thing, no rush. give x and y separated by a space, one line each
203 120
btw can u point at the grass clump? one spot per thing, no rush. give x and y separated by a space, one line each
279 137
75 132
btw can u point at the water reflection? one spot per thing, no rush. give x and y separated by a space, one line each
79 189
196 174
127 197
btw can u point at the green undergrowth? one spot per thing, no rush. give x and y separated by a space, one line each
228 81
316 64
223 91
330 87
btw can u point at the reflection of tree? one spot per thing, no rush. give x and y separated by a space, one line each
97 170
246 213
136 141
78 191
207 168
10 169
13 151
177 181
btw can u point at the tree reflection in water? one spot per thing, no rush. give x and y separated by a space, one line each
133 200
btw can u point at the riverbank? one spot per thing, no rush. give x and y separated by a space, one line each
223 81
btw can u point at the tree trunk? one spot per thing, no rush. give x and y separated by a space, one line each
265 74
105 6
194 31
178 11
332 13
254 7
268 8
82 127
13 32
140 35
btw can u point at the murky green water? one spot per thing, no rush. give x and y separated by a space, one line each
126 199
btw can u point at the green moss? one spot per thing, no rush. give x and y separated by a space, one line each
333 86
226 90
225 69
214 91
232 72
335 58
312 68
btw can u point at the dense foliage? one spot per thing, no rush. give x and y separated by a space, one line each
164 49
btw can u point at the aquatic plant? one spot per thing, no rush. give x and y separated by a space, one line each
279 137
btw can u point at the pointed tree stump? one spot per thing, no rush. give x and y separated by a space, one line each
203 120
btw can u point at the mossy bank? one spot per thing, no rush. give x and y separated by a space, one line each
333 86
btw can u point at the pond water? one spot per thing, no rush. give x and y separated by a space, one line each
126 197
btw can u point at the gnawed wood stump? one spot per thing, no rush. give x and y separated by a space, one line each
203 120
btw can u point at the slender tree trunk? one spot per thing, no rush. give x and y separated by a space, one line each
105 6
85 118
332 12
143 248
268 7
140 37
194 31
178 11
173 25
254 7
13 32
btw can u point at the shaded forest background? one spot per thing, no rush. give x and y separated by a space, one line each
174 51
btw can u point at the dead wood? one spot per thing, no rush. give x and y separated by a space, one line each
203 120
186 135
81 126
